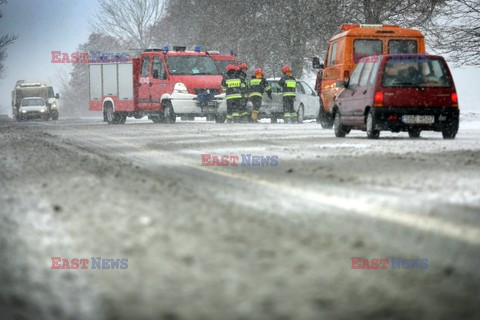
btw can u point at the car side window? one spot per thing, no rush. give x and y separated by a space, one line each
300 88
145 66
354 79
307 88
366 73
374 73
158 68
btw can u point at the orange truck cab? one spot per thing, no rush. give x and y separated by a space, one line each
347 48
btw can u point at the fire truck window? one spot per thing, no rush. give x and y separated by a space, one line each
158 69
145 66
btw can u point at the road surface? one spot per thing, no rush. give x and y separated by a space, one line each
237 242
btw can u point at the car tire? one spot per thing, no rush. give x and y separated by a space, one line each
219 118
55 115
168 113
324 118
300 114
338 127
122 118
273 119
111 116
414 133
372 133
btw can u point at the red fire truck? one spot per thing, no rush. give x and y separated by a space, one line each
157 83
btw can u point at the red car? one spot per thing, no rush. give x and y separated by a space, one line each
407 92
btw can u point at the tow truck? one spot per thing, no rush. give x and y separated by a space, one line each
158 83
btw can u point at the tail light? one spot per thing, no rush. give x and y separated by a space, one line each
378 100
454 99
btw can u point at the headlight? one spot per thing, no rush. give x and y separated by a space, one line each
54 105
180 88
24 111
42 110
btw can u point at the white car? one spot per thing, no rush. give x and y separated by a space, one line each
307 103
33 107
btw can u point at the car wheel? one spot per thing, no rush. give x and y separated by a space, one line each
414 133
450 130
338 127
219 118
55 115
122 118
324 118
168 113
301 114
111 116
372 133
273 119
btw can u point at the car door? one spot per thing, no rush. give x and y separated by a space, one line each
365 89
312 104
276 104
349 94
300 98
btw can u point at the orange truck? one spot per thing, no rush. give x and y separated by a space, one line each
346 49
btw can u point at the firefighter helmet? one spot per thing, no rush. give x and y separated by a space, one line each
259 71
230 67
244 66
286 69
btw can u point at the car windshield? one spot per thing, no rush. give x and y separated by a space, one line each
222 65
416 72
32 102
191 65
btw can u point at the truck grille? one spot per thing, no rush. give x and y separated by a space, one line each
205 90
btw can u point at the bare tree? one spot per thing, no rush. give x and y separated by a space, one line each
5 41
129 21
456 32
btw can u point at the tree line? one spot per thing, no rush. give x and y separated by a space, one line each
268 33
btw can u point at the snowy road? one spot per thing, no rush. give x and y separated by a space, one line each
226 242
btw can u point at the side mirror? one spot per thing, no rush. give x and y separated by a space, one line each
57 96
316 63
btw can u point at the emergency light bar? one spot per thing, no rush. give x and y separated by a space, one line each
179 49
32 84
346 27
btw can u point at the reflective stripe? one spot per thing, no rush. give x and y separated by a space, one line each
245 114
293 115
229 116
233 83
291 83
233 96
255 94
235 114
289 94
255 82
286 115
268 88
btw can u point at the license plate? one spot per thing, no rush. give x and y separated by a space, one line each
411 119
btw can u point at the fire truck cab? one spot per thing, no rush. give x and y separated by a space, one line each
157 83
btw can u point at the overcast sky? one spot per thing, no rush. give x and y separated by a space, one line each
44 26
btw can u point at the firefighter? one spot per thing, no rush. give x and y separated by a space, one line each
232 85
289 86
243 111
257 86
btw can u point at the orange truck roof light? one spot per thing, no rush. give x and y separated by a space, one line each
346 27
